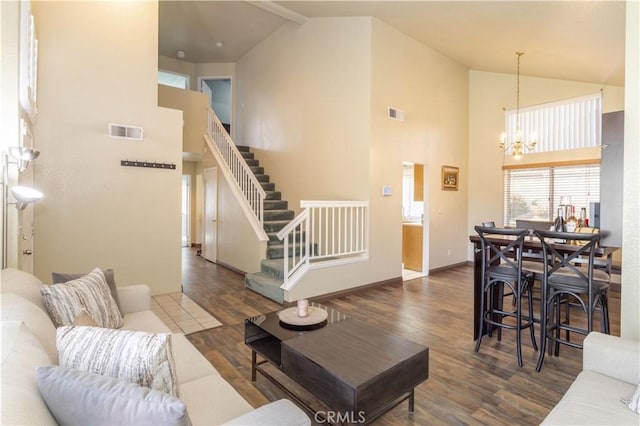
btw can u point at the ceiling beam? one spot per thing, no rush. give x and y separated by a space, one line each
281 11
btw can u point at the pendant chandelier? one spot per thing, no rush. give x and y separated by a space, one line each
515 142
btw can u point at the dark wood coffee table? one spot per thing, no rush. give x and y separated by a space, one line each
358 371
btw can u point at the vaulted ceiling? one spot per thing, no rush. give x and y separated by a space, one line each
568 40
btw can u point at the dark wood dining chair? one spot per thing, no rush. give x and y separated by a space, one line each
570 280
502 267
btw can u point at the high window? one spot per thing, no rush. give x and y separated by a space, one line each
173 79
568 124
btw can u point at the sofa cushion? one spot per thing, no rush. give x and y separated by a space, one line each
80 397
21 354
634 401
190 364
136 356
17 308
64 302
593 399
277 413
60 277
23 284
144 321
204 409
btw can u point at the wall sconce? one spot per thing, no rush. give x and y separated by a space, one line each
25 196
22 194
24 156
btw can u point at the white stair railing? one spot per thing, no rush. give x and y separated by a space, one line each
237 171
325 233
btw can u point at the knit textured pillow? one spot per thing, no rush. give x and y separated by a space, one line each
135 356
109 275
90 293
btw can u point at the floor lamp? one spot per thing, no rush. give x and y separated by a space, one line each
22 194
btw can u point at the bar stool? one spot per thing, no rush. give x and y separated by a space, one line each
566 282
502 266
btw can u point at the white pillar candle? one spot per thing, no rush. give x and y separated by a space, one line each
303 308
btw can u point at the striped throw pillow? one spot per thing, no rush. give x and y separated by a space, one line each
135 356
90 293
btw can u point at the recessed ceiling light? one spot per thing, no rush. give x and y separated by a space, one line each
219 44
180 54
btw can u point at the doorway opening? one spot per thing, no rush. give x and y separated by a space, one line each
210 242
218 89
186 211
415 221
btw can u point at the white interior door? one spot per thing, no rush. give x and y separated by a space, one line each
210 214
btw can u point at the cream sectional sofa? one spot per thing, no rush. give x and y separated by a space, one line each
29 341
610 371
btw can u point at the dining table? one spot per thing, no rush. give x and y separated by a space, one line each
533 247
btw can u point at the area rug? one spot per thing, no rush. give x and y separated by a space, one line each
181 314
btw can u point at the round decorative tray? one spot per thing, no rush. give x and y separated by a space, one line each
289 317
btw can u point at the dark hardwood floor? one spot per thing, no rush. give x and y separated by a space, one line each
464 387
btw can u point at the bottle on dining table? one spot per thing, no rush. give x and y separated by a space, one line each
582 220
571 224
558 224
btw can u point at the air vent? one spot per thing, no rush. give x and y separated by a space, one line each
122 131
396 114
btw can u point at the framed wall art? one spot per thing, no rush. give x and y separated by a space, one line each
450 178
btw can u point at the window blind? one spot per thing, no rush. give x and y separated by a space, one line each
557 126
534 194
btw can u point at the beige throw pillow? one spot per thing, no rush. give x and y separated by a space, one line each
90 293
135 356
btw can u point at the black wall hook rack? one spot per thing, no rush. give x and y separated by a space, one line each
149 164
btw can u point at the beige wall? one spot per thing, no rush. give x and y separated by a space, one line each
431 89
303 104
489 93
194 105
630 299
97 213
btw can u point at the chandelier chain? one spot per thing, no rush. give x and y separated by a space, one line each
518 93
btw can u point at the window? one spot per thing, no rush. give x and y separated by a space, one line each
534 193
568 124
172 79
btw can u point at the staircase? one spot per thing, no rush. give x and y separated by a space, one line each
276 216
324 234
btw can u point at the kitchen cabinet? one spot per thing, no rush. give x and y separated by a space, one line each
412 246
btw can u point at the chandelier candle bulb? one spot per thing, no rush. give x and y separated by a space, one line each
303 308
